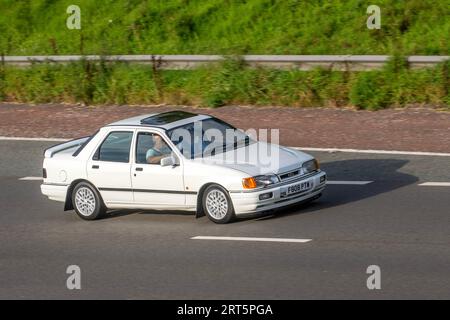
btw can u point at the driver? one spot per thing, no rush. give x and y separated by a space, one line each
159 150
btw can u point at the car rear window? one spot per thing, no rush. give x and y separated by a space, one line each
116 147
77 152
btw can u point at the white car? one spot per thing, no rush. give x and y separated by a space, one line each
142 163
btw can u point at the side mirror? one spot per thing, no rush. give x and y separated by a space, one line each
169 161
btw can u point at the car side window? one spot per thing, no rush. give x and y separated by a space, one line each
115 148
151 148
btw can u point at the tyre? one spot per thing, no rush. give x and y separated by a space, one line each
87 202
217 205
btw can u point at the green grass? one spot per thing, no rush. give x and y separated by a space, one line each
413 27
226 27
229 82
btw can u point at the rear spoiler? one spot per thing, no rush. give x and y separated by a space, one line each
50 152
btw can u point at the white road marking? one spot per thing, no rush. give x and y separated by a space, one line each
413 153
31 178
250 239
357 183
33 139
435 184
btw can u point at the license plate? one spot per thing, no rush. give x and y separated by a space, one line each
299 187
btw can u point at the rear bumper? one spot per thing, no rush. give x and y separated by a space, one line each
54 191
249 202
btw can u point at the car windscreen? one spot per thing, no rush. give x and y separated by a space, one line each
207 137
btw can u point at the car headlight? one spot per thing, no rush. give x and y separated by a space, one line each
259 181
310 166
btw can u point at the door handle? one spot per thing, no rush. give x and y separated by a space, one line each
95 166
139 169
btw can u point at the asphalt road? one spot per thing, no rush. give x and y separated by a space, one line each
394 223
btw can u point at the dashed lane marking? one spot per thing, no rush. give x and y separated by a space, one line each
356 183
435 184
251 239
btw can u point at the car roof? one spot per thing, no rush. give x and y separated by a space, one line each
165 120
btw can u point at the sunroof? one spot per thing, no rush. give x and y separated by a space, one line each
167 117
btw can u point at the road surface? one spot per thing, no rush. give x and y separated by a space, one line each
393 222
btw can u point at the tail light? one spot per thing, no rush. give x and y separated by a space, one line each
44 173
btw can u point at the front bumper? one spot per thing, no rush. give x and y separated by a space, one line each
249 201
54 191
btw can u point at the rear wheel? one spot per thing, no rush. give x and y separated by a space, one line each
87 202
217 205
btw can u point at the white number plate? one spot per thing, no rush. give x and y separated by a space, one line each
299 187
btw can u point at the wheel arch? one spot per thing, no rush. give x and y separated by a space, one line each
68 204
200 212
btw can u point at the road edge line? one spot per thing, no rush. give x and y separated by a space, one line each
32 139
393 152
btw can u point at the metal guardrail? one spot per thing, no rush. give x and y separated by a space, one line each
302 62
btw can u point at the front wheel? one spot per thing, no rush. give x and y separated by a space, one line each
217 205
87 202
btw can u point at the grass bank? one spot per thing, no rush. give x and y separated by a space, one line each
228 82
38 27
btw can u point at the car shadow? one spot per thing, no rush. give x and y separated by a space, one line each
384 173
125 212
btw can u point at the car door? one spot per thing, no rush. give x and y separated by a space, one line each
109 169
155 185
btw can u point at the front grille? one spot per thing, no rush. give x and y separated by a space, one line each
290 174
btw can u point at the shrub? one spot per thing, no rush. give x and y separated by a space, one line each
228 82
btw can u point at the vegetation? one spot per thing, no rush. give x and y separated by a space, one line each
232 27
230 82
413 27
